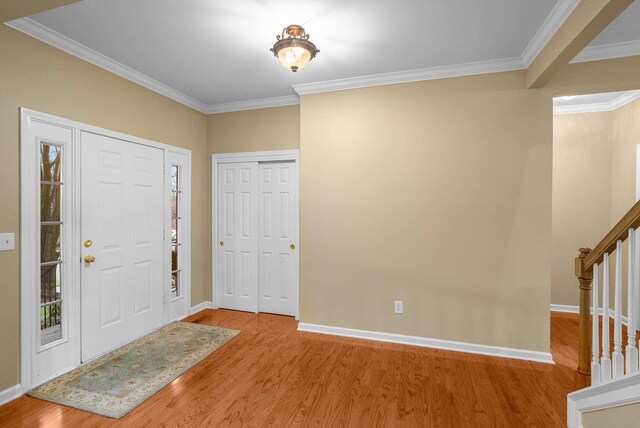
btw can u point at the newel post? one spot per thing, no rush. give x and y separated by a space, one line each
584 278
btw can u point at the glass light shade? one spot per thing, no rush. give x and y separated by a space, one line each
294 57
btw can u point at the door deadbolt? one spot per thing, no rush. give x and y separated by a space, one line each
88 243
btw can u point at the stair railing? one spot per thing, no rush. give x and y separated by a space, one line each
592 268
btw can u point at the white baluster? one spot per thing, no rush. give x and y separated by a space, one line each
618 358
631 359
605 361
595 342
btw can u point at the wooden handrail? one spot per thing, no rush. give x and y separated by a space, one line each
584 272
619 232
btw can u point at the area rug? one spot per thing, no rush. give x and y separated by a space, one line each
116 383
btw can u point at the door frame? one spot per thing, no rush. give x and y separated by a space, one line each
266 156
29 224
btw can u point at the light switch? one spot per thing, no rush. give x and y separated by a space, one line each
7 241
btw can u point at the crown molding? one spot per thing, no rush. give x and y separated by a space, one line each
622 100
253 104
433 73
55 39
546 31
556 18
610 51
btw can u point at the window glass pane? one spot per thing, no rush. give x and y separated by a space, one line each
174 179
49 243
175 224
174 206
50 162
50 290
174 231
50 323
174 258
175 284
50 202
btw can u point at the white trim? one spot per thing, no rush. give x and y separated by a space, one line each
571 309
432 73
55 39
449 345
266 156
612 105
619 392
289 100
10 394
28 228
556 18
201 307
610 51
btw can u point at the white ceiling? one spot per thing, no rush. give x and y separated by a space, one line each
214 54
625 28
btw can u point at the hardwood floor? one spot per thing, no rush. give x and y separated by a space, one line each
273 375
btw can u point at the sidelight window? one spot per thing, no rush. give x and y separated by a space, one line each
176 231
51 229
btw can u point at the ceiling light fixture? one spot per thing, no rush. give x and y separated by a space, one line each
293 48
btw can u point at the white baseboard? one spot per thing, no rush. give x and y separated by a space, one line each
200 307
619 392
576 310
449 345
10 394
571 309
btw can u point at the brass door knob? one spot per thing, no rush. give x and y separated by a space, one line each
293 247
89 259
222 243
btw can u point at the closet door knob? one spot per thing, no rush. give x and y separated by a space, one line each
293 247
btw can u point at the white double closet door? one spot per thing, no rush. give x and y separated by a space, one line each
257 220
121 292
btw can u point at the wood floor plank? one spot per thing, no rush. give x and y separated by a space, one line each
273 375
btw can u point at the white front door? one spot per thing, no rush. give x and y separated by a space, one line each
122 214
237 249
278 283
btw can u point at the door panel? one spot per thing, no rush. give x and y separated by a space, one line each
278 261
237 253
122 213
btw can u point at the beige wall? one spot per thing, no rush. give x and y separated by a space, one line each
616 417
254 130
39 77
582 145
594 153
626 137
436 193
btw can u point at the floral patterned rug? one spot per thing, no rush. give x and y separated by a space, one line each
116 383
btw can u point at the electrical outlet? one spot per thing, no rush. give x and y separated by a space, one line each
398 307
7 241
